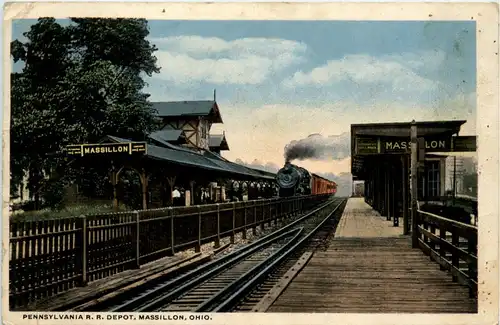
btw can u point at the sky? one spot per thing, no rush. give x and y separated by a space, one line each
280 81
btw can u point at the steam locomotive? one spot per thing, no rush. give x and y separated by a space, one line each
294 180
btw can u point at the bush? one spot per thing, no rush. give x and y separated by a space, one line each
66 212
53 194
28 206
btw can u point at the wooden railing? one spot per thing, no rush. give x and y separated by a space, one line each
465 202
452 244
52 256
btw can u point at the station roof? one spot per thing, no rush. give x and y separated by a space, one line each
402 129
218 141
206 108
168 135
180 156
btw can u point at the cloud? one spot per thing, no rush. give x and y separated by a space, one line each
246 61
262 132
399 72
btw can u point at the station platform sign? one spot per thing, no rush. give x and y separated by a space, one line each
391 145
99 149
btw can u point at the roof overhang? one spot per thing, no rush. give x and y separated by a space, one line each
379 139
215 116
175 110
219 144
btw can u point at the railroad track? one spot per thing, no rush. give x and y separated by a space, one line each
214 284
315 237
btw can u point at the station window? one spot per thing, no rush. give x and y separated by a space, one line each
429 185
433 184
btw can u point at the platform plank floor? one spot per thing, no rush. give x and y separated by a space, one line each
361 220
370 267
373 275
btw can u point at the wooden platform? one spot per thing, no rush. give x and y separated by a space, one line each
361 220
373 275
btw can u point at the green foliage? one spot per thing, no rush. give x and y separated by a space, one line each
79 83
65 212
470 184
130 189
53 193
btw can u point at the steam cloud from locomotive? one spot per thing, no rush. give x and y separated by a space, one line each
318 147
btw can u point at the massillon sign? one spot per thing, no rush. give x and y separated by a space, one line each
366 145
99 149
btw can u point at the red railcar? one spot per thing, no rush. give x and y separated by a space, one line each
321 185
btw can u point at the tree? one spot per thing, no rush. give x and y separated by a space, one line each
79 83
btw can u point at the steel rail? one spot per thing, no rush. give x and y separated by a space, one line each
232 257
221 304
163 299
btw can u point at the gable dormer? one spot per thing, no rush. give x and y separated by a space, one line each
172 136
194 118
218 143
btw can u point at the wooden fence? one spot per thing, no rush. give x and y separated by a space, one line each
452 244
51 256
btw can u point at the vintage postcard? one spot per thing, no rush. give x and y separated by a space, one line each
257 163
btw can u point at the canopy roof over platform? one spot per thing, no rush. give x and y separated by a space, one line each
180 156
402 130
378 139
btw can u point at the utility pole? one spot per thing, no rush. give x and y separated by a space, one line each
414 185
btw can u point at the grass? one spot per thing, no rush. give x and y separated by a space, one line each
66 212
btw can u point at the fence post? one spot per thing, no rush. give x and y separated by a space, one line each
84 250
244 233
270 213
442 250
262 224
197 249
426 227
217 241
254 229
234 223
454 256
278 209
172 236
137 240
432 244
472 267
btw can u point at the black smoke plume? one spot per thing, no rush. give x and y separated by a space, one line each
318 147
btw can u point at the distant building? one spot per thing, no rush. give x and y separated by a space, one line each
460 170
359 189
